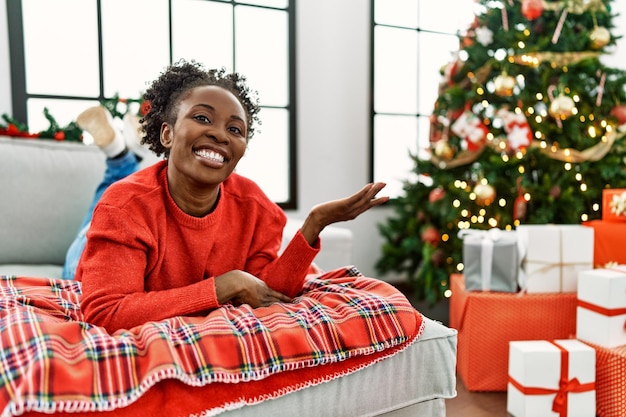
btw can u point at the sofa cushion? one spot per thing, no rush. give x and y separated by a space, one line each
32 270
46 188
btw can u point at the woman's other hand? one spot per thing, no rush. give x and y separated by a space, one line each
239 287
340 210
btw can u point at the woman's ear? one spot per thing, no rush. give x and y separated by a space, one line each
166 135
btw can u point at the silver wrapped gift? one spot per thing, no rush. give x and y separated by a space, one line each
491 260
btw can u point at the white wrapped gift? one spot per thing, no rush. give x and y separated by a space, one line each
553 255
551 379
601 310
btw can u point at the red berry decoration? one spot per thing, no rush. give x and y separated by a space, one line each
431 236
532 9
145 107
60 135
12 130
619 112
436 194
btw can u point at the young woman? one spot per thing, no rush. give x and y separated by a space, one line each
187 234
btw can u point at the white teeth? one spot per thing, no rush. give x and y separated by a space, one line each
210 155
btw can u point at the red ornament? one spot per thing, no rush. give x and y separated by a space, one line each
430 236
520 206
471 129
619 112
436 194
518 131
532 9
60 135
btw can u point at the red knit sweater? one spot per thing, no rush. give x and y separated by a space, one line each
147 260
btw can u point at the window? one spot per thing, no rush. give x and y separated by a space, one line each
68 54
411 41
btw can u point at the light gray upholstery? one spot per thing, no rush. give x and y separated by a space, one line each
415 382
46 188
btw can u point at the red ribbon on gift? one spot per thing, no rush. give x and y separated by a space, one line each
610 312
559 405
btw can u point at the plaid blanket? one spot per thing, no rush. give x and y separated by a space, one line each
53 361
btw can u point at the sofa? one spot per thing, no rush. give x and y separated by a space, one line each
46 187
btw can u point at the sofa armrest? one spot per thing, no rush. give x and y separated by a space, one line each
336 244
46 189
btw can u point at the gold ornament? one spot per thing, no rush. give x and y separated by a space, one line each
443 150
562 107
504 85
600 37
485 194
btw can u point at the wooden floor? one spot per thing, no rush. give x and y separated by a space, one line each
476 404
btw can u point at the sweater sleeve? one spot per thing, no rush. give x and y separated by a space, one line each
113 270
297 257
284 273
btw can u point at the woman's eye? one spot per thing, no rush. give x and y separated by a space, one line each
236 130
202 118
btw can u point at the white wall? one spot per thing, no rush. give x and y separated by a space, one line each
333 113
332 47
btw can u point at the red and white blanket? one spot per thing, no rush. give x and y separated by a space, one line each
51 360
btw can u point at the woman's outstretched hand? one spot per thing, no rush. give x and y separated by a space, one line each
239 287
341 210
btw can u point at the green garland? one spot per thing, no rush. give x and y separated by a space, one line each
71 132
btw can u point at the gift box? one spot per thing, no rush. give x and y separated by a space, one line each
610 381
553 255
487 321
490 259
551 378
614 204
601 310
609 240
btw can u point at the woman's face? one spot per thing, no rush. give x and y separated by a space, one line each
207 140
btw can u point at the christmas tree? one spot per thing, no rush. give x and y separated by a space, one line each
528 128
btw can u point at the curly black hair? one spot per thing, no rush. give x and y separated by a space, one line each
175 83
